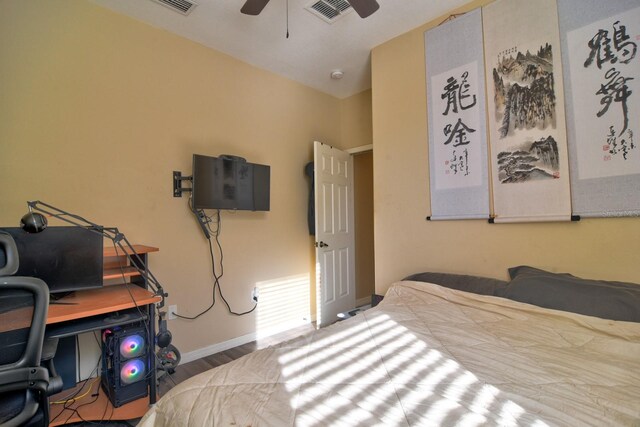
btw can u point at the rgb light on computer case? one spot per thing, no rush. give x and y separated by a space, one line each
132 346
132 371
125 363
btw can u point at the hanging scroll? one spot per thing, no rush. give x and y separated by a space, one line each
602 69
458 169
526 111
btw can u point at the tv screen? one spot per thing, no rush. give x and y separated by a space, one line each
65 258
230 182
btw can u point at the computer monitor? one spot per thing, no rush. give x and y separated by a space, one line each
65 258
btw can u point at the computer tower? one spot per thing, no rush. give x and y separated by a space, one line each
126 353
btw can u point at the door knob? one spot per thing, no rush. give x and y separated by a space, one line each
321 244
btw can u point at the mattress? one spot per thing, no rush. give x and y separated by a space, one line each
427 355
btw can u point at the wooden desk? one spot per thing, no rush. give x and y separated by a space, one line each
82 311
82 304
103 300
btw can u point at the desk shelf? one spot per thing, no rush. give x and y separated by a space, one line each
119 273
92 302
96 323
110 251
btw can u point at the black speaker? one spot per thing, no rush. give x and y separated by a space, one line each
126 353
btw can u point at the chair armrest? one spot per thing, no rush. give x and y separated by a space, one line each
24 378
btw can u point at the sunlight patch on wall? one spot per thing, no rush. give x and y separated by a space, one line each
283 304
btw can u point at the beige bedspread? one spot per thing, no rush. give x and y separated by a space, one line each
427 355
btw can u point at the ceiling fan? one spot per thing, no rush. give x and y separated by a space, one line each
364 8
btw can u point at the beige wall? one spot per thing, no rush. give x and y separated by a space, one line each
355 120
405 243
97 110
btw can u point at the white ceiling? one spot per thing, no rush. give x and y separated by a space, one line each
314 47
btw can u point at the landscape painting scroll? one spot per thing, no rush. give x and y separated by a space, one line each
458 164
602 75
527 129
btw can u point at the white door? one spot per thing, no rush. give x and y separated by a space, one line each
335 242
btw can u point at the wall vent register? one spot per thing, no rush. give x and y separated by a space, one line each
181 6
329 10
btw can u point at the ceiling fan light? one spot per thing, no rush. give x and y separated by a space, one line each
253 7
364 8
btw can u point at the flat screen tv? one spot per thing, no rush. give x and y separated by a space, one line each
230 182
65 258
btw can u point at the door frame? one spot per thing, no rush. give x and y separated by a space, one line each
354 152
360 149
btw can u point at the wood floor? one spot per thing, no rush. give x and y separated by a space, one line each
196 367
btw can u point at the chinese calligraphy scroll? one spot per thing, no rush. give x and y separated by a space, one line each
526 111
602 68
458 162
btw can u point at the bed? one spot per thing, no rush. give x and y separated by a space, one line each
433 354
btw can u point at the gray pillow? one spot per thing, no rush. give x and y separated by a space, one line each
474 284
562 291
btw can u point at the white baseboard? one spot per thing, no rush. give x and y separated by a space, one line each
216 348
235 342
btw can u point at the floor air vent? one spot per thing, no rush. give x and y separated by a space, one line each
181 6
329 10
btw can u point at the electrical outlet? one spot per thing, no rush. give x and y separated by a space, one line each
254 295
171 313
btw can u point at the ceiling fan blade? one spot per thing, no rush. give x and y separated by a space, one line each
364 7
254 7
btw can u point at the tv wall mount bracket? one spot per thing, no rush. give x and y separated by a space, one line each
177 183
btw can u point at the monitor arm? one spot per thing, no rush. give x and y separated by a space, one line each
34 224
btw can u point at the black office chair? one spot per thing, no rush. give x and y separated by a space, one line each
24 302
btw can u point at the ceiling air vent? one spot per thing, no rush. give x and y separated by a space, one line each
329 10
181 6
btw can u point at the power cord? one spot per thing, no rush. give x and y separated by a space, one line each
203 218
74 398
